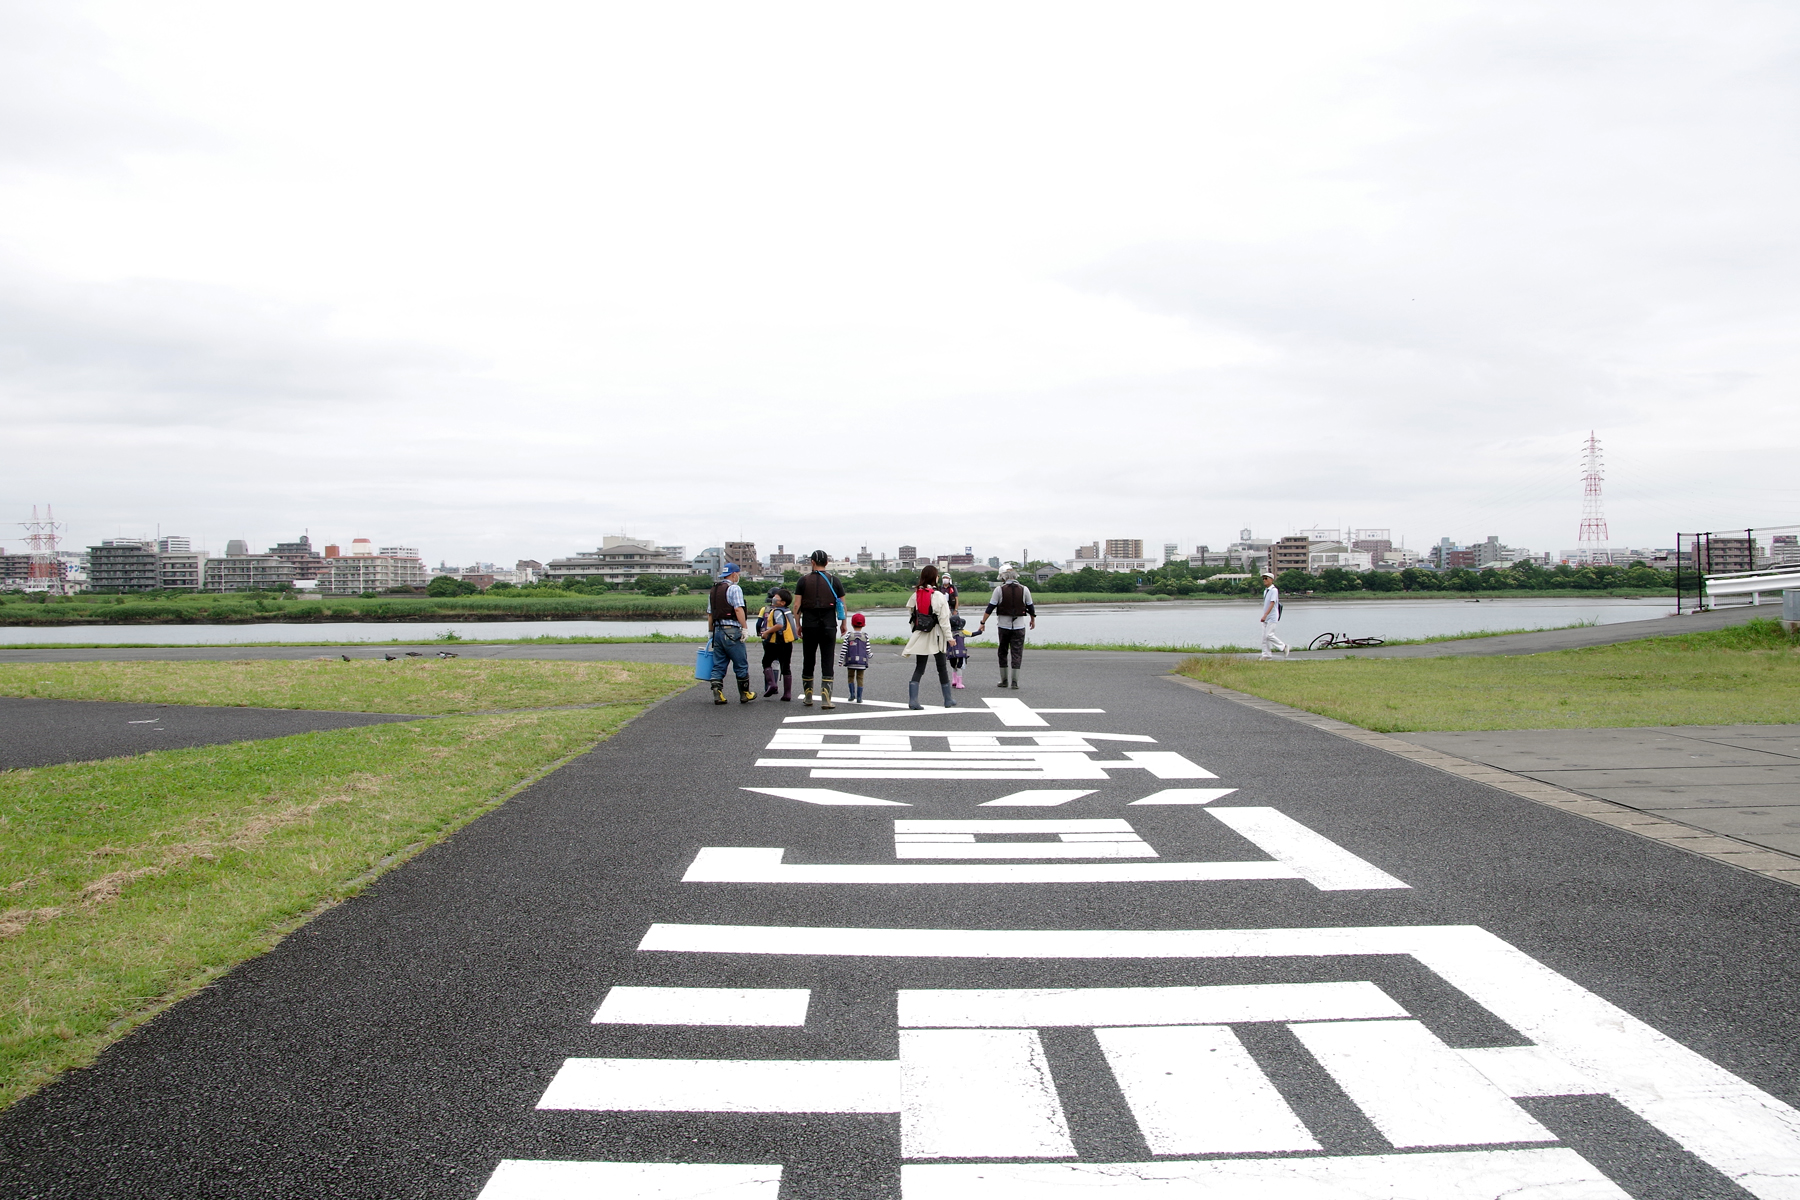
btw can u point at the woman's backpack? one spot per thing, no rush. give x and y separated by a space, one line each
923 619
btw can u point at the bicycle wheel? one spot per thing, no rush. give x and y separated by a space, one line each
1367 641
1324 641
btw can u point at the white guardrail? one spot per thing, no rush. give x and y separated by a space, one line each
1753 583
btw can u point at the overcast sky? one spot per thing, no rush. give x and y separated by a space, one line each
497 280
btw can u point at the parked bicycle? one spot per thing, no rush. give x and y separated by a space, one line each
1341 641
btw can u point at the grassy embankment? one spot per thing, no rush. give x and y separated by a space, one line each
131 882
1748 674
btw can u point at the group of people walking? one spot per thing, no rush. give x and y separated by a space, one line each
812 614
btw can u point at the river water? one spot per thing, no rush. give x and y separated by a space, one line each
1170 623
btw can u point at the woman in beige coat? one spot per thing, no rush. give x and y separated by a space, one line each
930 636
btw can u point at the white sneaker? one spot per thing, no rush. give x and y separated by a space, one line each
1286 651
1266 656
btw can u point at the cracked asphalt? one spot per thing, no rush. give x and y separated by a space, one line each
398 1045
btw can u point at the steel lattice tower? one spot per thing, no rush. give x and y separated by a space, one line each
1593 533
46 569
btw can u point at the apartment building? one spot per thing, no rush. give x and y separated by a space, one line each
353 574
623 559
123 565
182 570
246 572
1291 553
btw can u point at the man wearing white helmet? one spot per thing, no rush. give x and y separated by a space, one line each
1017 614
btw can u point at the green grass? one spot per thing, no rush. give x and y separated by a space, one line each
1747 674
131 882
427 686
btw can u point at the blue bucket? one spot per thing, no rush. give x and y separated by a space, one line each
703 663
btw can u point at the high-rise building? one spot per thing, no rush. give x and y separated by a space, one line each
173 545
353 574
300 554
1171 551
182 570
744 555
780 561
909 558
1091 551
242 572
1124 547
239 547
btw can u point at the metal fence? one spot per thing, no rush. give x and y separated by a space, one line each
1730 562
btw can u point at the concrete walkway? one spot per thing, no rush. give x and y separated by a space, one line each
1742 781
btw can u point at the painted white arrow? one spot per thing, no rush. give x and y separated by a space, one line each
823 796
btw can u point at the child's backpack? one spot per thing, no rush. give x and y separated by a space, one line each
923 619
856 653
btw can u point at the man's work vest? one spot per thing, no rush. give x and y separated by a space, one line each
1012 600
718 606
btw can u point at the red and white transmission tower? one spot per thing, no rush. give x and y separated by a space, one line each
1593 535
46 567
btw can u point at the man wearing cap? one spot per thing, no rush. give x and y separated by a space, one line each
1271 616
725 621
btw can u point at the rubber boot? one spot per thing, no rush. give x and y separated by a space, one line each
1002 682
718 690
806 687
956 678
825 694
1015 679
769 681
949 700
787 686
745 695
912 694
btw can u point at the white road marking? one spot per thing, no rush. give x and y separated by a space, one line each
151 721
1133 848
979 1093
1038 798
1739 1129
1091 838
762 864
703 1006
1183 796
1194 1089
724 1085
956 740
1009 710
1417 1090
1469 1175
1528 1071
1053 763
808 795
1319 860
909 825
1218 1004
553 1179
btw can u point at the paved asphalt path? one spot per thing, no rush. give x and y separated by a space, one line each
38 733
1328 1033
1566 639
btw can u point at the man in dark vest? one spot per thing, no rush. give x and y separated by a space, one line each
1012 600
725 621
820 599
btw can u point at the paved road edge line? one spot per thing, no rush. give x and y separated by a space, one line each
1745 856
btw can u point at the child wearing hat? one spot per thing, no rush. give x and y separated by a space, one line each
959 649
856 655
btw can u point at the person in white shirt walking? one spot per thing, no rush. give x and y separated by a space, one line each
1271 616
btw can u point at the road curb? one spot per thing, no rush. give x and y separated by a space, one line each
1745 856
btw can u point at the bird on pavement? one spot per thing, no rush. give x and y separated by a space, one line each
345 657
446 654
414 654
389 657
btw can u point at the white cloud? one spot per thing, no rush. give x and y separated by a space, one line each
497 281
